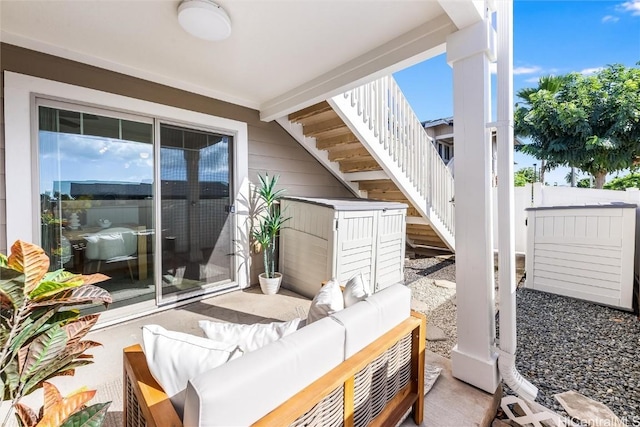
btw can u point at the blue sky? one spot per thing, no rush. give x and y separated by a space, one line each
550 37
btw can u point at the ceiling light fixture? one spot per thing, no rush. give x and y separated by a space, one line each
204 19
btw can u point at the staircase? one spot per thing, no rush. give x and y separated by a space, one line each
371 140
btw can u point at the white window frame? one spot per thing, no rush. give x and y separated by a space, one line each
20 94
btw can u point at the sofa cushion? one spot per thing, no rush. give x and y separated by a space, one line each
393 305
244 390
175 357
367 320
356 290
248 337
327 301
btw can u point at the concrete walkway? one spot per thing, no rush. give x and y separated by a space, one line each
449 403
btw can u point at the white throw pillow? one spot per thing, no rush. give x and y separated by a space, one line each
175 357
248 337
327 301
356 289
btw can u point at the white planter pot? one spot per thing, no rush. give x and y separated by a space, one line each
270 286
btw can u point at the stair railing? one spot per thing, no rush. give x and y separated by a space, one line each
386 111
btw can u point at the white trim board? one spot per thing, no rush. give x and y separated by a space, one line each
20 92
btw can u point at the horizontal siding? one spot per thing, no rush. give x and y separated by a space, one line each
271 149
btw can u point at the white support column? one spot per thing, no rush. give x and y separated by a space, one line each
469 52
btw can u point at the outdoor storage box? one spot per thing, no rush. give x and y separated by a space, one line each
584 252
339 238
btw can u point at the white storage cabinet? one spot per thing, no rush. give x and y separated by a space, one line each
327 238
585 252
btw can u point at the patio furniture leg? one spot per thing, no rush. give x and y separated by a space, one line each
417 369
130 270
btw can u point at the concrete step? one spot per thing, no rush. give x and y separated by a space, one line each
452 402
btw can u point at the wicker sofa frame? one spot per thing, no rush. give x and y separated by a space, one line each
377 386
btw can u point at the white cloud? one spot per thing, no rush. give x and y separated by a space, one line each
526 70
610 18
589 71
631 6
493 67
532 80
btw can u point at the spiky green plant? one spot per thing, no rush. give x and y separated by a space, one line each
41 329
270 220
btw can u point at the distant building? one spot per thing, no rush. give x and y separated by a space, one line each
441 130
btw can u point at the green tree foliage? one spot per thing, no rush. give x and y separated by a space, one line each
628 181
588 122
523 176
584 183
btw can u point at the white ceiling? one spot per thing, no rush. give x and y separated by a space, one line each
275 46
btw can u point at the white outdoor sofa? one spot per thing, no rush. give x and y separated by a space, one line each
362 366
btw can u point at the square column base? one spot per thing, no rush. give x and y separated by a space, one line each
479 373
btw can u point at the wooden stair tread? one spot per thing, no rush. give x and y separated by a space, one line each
325 126
357 153
318 118
325 143
378 185
310 111
359 165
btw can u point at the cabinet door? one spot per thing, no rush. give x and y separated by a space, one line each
390 248
356 244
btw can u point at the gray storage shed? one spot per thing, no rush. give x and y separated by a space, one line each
339 238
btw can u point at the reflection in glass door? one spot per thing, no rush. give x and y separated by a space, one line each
194 210
96 206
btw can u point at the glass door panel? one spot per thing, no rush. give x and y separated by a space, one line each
96 198
194 209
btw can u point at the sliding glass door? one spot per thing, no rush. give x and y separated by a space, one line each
96 197
195 203
145 202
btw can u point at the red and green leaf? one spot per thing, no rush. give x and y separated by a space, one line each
26 415
42 350
31 260
92 416
57 413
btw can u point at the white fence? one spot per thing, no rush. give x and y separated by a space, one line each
557 196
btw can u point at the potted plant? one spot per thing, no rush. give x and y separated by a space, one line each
41 332
266 232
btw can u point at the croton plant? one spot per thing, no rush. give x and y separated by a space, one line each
41 332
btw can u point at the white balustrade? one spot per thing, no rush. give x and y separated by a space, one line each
385 110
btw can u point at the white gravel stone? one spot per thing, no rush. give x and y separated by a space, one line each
434 333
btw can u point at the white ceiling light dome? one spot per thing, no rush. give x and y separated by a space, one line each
204 19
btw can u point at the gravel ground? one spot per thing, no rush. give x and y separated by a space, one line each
433 268
567 344
438 305
563 344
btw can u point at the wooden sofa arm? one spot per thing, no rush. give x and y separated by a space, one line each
146 404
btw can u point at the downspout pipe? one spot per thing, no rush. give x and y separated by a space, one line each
506 229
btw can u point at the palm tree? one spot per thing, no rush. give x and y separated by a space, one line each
551 84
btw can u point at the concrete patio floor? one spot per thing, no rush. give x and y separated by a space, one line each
449 403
